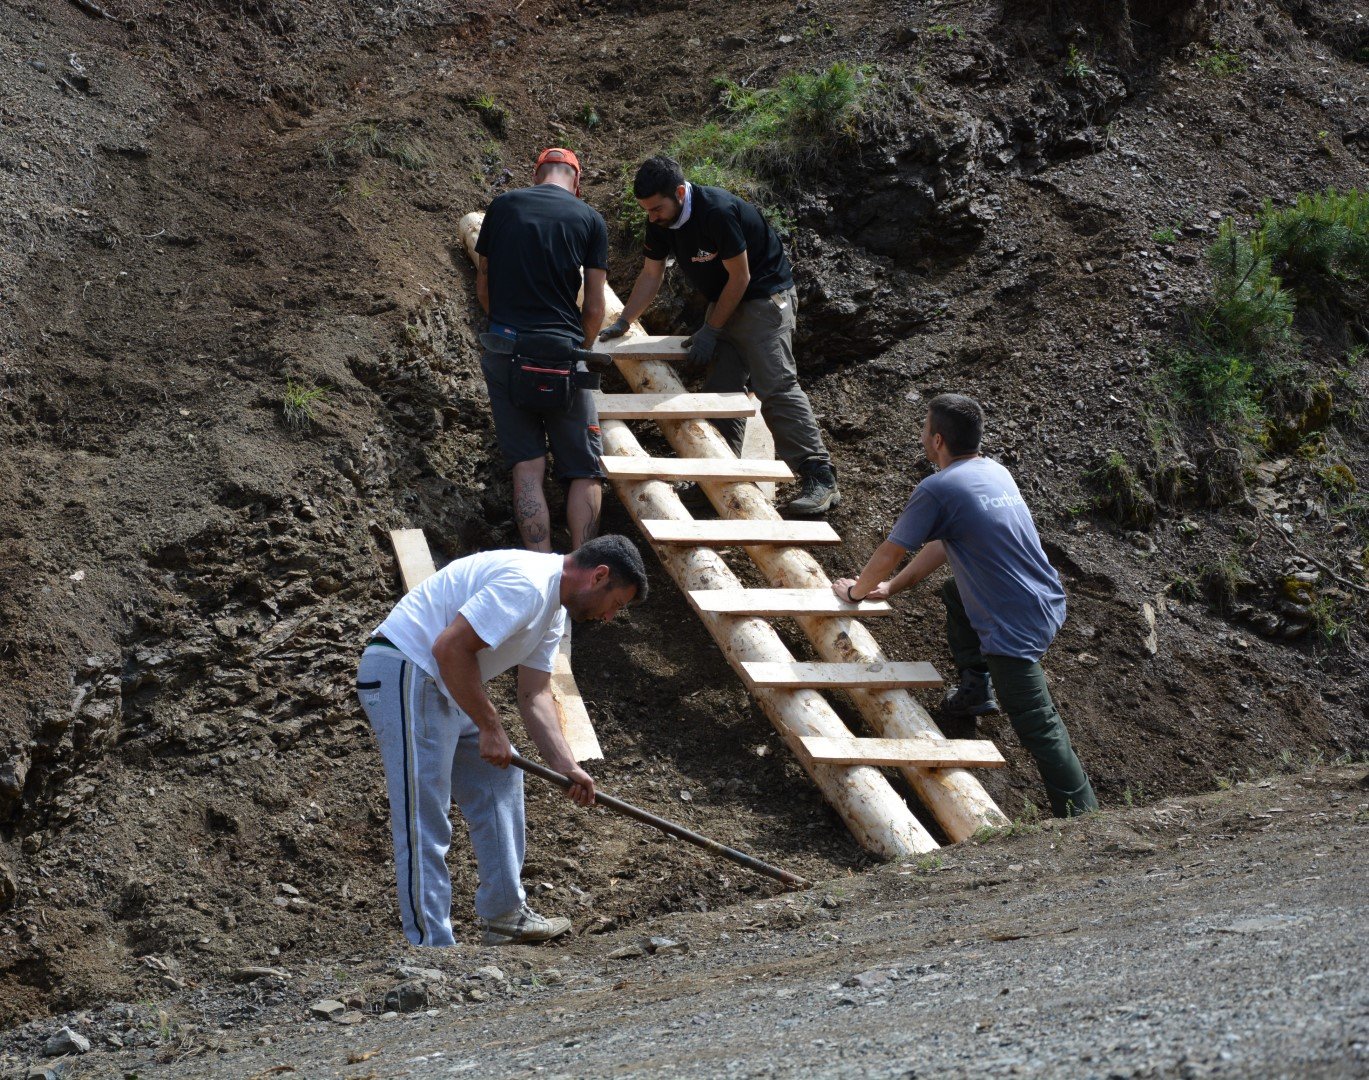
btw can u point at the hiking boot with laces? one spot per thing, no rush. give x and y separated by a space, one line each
818 492
973 697
521 926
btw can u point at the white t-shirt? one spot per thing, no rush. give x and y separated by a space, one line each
512 599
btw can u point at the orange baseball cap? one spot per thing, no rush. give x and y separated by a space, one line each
559 154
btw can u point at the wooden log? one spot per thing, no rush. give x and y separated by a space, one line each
919 753
733 470
954 797
825 676
735 532
772 603
877 817
673 406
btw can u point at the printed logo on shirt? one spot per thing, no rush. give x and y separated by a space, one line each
1004 500
703 256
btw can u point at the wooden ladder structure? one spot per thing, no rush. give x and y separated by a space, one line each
845 768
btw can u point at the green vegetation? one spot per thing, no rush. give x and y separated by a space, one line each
1240 364
588 117
1076 67
493 115
297 404
1166 236
1223 580
1123 495
950 31
377 141
768 139
1220 62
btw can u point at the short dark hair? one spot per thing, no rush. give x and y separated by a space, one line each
622 558
555 168
659 175
959 420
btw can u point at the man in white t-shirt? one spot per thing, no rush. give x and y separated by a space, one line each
421 682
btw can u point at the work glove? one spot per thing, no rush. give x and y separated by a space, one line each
615 329
701 346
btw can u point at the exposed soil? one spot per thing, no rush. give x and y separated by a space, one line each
209 200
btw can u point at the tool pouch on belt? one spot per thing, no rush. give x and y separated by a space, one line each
542 373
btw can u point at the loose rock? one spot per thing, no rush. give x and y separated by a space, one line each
66 1041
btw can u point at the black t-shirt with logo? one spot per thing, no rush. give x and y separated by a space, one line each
722 226
536 240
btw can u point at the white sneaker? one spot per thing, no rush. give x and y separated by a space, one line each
521 926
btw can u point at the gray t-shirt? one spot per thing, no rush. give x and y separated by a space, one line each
1011 592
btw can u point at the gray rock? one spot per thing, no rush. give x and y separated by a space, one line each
627 952
490 973
666 945
348 1016
409 996
327 1009
409 971
867 979
66 1041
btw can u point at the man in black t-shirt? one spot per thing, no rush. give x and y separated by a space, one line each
731 255
533 244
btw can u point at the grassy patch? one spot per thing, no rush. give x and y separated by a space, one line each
297 404
1220 62
1076 65
378 141
493 115
1166 236
766 141
1123 494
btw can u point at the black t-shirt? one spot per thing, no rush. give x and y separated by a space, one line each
722 226
536 240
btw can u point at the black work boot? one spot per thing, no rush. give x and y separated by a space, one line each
973 697
818 492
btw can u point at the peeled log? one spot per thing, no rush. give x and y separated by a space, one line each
957 800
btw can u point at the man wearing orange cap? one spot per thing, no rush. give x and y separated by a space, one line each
533 245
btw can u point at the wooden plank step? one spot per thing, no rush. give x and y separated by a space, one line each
673 406
887 675
644 347
415 560
777 602
733 533
732 470
920 753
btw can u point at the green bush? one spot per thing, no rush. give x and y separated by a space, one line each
1322 245
774 134
1251 311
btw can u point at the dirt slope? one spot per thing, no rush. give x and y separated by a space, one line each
210 202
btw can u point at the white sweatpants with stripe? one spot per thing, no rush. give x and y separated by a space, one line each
431 752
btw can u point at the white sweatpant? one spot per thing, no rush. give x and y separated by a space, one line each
431 752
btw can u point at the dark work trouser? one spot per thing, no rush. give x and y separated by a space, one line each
756 352
1020 686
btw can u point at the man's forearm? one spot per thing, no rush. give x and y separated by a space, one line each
591 321
644 290
544 728
461 676
728 300
879 566
929 558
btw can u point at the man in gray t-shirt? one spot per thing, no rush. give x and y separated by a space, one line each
1005 603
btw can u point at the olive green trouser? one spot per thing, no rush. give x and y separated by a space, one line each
1020 686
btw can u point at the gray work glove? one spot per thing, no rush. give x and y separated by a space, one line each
617 328
701 345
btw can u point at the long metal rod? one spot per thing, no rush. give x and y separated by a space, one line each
667 826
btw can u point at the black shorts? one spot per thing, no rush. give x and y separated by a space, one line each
573 435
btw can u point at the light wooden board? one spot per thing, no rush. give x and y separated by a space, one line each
759 445
920 753
674 406
777 602
645 347
415 560
889 675
416 565
570 706
732 470
739 532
